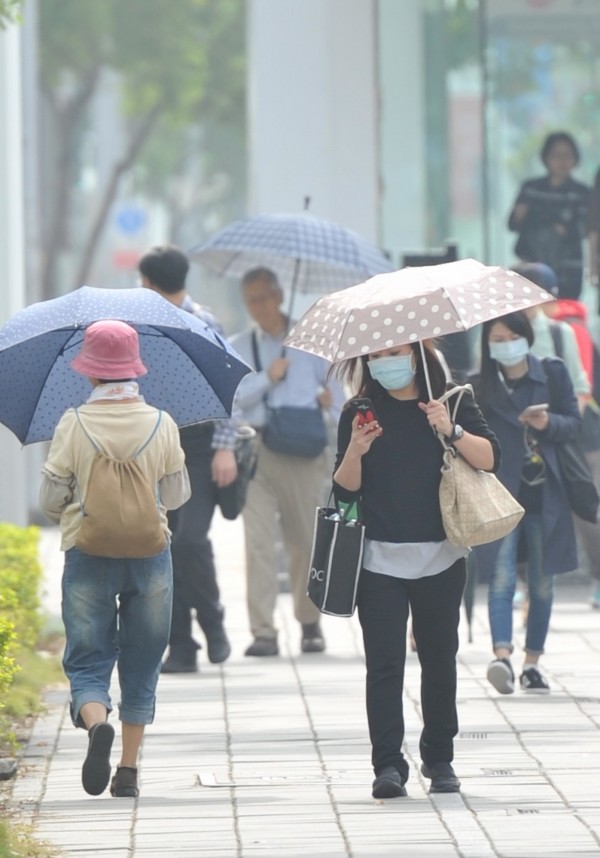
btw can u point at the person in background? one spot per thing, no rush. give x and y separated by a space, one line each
552 338
116 611
574 313
594 234
550 215
285 486
511 380
209 451
391 467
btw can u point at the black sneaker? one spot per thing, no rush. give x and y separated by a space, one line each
501 675
388 784
442 777
95 772
532 681
312 638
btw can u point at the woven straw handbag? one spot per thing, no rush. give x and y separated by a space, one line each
476 508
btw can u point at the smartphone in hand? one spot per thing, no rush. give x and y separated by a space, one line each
534 409
364 408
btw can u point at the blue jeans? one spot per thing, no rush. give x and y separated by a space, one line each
503 582
116 611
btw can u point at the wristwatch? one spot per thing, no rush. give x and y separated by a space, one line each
456 434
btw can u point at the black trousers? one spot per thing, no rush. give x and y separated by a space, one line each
195 584
383 609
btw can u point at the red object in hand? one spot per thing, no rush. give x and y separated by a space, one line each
364 408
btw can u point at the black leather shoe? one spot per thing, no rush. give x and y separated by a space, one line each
180 664
312 638
388 784
263 647
218 647
442 777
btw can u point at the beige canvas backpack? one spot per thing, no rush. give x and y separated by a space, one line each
120 512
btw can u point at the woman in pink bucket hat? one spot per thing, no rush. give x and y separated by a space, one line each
117 586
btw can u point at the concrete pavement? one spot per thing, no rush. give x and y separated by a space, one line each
265 758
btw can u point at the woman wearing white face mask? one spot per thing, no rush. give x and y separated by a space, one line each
511 381
391 465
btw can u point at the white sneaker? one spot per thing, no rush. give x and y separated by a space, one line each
501 675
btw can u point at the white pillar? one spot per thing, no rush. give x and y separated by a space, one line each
13 504
402 126
312 87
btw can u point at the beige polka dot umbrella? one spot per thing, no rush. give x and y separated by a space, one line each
410 305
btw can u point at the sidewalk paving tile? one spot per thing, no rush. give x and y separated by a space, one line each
266 758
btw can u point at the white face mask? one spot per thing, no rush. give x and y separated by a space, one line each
509 352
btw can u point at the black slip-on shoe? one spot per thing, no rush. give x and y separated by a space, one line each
442 776
388 784
124 783
312 638
218 647
263 647
95 772
179 664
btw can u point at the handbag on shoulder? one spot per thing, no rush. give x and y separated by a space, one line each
335 562
476 508
292 430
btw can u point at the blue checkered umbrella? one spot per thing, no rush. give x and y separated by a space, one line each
192 372
308 254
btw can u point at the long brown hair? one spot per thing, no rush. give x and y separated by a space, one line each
355 373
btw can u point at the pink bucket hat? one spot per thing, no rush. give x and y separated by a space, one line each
110 351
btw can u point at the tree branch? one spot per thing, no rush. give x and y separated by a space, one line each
136 142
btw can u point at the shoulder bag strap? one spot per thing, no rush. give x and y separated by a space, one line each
459 391
94 444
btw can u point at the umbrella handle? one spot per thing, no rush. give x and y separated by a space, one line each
426 370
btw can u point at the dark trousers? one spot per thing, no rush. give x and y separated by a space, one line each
383 608
194 574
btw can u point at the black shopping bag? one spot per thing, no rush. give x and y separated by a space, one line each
335 562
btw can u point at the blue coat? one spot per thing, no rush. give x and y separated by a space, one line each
501 409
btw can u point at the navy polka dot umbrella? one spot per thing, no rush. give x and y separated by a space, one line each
192 372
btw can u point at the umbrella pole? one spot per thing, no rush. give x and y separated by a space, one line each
293 290
426 370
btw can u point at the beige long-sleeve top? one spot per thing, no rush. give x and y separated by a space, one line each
120 428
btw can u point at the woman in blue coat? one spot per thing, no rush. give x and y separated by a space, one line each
511 381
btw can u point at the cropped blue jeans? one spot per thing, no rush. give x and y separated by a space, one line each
503 582
116 611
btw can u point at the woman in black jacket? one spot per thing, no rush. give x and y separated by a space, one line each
391 465
513 380
550 215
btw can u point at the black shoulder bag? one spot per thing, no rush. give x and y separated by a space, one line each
579 485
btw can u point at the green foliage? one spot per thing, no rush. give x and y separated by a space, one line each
9 12
19 842
7 662
20 577
180 71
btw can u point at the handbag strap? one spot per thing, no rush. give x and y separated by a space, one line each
459 391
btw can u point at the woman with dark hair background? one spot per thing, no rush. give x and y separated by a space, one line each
551 215
514 395
391 466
